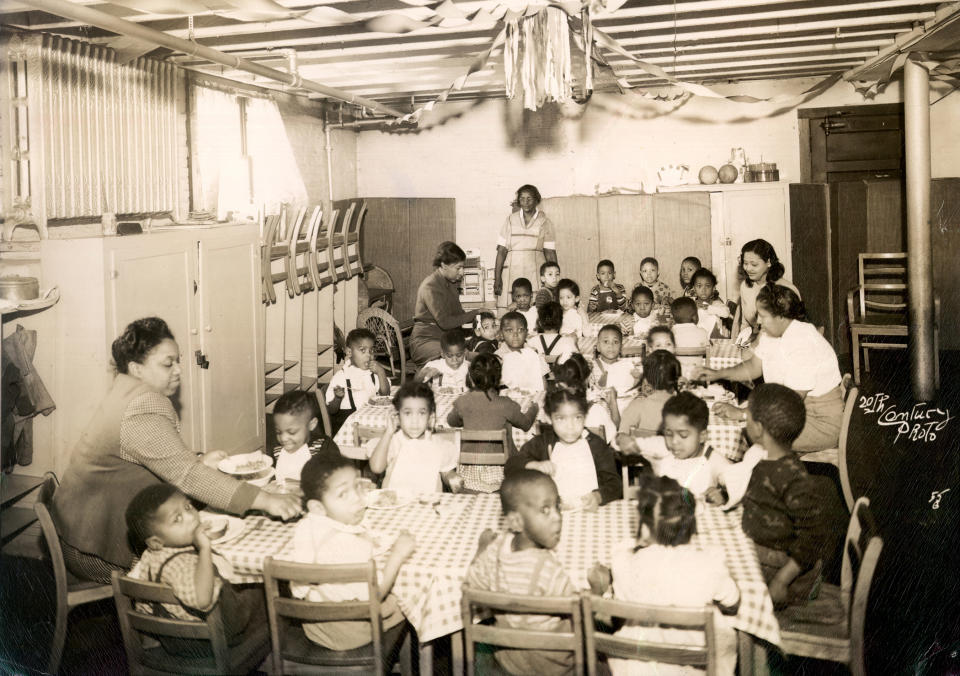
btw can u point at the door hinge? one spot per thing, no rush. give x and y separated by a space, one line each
202 361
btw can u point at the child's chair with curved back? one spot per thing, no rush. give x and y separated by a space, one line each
338 245
389 340
352 233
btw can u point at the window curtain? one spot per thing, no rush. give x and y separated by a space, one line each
276 176
218 145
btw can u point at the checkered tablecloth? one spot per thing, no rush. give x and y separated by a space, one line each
380 416
428 585
724 354
631 346
727 437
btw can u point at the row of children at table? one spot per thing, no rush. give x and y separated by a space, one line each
794 519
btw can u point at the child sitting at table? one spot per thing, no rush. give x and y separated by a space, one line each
686 334
661 338
484 338
796 520
607 295
521 291
581 463
603 414
650 278
642 320
711 311
360 378
549 279
661 567
523 368
610 370
520 560
450 371
681 450
688 266
568 295
483 408
643 415
175 550
331 533
414 460
548 340
295 421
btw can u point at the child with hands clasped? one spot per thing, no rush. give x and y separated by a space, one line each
175 550
661 567
521 561
612 371
607 295
414 460
523 367
332 533
581 463
548 340
360 378
295 422
450 371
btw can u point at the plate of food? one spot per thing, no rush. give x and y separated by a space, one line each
387 499
381 400
246 466
223 527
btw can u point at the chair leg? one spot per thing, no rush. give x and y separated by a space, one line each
456 653
866 360
855 345
59 639
406 655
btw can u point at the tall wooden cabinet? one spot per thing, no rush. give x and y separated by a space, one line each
205 283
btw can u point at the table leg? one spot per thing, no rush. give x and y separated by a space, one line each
456 653
426 658
752 655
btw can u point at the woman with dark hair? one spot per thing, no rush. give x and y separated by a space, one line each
438 306
134 441
791 352
758 266
526 240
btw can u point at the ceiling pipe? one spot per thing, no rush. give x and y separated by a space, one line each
93 17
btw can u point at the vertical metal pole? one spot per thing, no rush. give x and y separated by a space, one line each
916 99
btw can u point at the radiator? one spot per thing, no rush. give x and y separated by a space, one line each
88 135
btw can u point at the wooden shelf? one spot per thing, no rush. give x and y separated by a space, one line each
323 348
15 520
289 364
323 370
270 382
290 387
15 486
271 397
308 383
271 366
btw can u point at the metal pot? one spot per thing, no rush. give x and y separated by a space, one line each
763 172
15 287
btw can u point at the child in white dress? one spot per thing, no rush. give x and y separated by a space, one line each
568 295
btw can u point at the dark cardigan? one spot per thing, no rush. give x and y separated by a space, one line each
538 449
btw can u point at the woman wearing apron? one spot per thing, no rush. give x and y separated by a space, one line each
526 240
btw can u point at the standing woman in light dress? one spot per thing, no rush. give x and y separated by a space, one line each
527 239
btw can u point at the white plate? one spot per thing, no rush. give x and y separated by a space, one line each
246 464
387 499
261 479
381 401
235 526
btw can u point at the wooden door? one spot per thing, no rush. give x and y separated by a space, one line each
681 229
154 276
231 387
757 213
810 231
430 222
850 143
578 241
625 225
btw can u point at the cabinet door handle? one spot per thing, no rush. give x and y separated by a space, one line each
208 329
201 358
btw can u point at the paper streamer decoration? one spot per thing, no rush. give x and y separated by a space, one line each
943 67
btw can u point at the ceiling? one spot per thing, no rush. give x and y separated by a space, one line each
703 41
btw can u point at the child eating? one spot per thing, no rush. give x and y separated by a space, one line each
175 550
642 417
522 294
548 341
523 368
661 567
609 370
483 408
650 278
581 463
549 278
450 371
710 309
294 421
415 462
331 533
360 378
642 320
521 561
568 295
484 338
607 295
795 520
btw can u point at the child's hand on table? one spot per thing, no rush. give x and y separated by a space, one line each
599 578
544 466
403 546
729 412
429 373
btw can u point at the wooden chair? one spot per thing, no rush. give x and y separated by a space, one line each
510 637
286 614
320 249
389 340
380 288
362 433
843 461
500 436
877 310
70 592
803 631
832 455
298 250
351 236
338 245
270 227
135 625
700 619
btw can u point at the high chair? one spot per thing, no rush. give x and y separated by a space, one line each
700 619
475 600
287 614
145 657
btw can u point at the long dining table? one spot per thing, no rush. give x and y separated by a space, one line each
428 587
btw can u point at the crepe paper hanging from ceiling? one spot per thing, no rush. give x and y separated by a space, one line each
537 58
942 66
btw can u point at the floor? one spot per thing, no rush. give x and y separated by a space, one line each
914 614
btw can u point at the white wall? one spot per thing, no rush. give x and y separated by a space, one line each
482 152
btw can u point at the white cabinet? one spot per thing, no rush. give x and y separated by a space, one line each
205 283
740 212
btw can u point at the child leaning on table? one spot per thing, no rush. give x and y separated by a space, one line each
521 561
414 460
451 369
331 533
483 408
175 550
581 463
360 378
796 520
295 422
661 567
